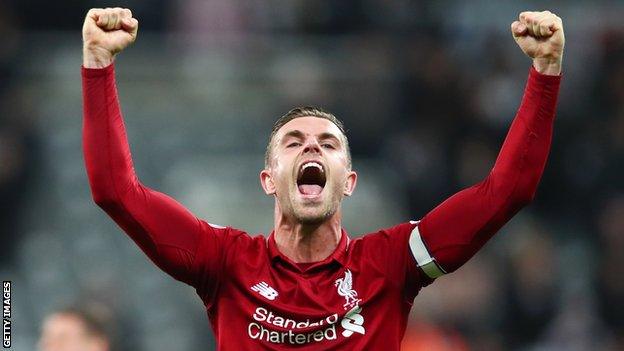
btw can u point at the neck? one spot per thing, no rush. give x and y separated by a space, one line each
303 243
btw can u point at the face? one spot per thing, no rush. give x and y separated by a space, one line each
309 170
65 332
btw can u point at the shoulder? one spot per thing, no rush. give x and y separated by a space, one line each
224 253
398 233
228 238
388 251
383 243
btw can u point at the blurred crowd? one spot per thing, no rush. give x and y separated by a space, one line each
434 117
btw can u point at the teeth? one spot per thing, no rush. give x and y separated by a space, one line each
312 164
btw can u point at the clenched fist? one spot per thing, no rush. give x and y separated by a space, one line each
105 33
540 36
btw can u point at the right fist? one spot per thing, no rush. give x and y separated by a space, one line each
105 33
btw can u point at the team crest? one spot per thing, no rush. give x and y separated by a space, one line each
345 289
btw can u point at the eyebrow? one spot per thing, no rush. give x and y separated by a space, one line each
300 135
295 134
328 135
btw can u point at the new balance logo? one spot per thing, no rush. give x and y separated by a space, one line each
265 290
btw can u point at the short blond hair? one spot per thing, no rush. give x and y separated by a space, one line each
305 111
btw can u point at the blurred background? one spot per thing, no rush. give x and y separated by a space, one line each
427 91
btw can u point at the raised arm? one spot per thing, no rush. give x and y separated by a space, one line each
168 233
455 230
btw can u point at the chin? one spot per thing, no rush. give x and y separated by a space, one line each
312 221
313 217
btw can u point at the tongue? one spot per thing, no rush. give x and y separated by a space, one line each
310 189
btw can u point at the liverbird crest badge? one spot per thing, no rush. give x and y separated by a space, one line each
345 289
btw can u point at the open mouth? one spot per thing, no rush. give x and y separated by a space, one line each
311 178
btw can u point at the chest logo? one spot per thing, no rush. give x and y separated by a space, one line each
265 290
345 289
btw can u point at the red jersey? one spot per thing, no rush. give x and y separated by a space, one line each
359 298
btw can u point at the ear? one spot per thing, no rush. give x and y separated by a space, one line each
266 180
350 183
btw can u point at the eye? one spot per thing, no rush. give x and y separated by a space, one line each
328 146
295 144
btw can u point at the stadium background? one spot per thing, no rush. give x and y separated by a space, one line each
427 91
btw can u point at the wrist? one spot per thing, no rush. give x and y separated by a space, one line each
547 66
96 57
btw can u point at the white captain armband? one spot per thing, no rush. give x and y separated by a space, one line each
424 260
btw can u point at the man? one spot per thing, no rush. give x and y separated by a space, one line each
307 285
74 329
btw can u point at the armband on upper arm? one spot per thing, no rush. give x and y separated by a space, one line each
424 260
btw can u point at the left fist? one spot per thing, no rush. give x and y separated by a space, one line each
540 36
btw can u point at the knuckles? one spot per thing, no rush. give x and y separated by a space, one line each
530 17
110 12
539 22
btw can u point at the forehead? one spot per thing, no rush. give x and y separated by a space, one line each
309 126
63 322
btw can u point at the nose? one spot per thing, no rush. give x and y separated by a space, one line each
312 146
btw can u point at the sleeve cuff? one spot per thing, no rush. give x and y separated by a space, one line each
546 79
97 72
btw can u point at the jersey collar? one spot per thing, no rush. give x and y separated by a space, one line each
339 255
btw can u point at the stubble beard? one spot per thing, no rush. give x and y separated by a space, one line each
313 219
318 214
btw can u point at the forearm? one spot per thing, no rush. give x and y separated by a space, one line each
522 159
550 67
454 231
106 151
96 57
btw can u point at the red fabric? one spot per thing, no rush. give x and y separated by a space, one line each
225 265
167 232
455 230
422 336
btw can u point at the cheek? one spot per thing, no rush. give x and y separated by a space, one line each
338 179
281 175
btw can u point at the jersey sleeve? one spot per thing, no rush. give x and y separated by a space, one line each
166 232
389 252
449 235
